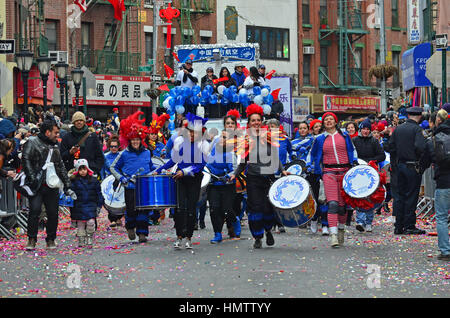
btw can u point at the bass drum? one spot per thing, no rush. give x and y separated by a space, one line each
114 197
297 167
293 201
204 187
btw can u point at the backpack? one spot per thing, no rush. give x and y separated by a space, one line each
442 148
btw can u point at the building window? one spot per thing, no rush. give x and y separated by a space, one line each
395 13
323 63
85 36
205 39
110 32
396 63
323 11
148 46
358 58
305 12
378 62
306 69
273 42
51 34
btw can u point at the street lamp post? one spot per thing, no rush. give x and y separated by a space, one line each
44 64
61 72
24 61
77 76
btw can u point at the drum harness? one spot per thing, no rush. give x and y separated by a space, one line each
132 179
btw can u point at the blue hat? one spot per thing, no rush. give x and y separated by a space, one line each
188 62
262 66
195 122
414 110
6 127
425 124
365 124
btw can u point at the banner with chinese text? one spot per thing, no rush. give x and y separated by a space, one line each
345 103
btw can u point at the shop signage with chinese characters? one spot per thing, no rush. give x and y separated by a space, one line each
345 103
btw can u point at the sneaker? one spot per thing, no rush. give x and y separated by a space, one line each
415 231
90 240
31 244
341 236
131 234
177 244
188 244
334 240
313 227
113 224
217 238
325 230
269 239
142 238
360 227
51 245
368 228
118 223
281 229
258 243
81 241
443 257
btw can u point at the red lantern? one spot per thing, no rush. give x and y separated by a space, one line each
169 14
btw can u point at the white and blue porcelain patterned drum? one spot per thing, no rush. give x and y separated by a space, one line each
296 167
292 199
361 181
114 197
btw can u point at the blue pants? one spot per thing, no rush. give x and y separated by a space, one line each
364 218
442 207
135 219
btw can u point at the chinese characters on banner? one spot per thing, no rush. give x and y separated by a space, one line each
414 21
285 97
344 103
113 90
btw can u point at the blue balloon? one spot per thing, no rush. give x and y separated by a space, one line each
180 100
196 90
194 100
225 101
233 88
173 92
172 102
171 125
186 91
213 99
179 109
205 93
235 98
177 90
243 98
210 89
266 86
270 100
203 101
257 90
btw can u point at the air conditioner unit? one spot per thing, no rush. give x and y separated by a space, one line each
308 50
57 56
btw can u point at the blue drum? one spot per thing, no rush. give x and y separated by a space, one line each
155 192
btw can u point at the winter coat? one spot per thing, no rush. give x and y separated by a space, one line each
205 81
368 149
91 151
109 159
301 146
132 162
238 78
220 164
89 198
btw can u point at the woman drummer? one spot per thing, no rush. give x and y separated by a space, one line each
189 153
113 145
260 175
134 160
333 151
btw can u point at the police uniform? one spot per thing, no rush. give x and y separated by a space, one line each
408 144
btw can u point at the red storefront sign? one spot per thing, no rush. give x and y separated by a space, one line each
336 103
35 89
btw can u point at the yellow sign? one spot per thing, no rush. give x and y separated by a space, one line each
142 16
389 56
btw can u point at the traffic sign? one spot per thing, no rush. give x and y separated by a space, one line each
145 68
7 46
155 78
441 41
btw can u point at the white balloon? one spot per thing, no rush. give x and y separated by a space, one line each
258 100
267 109
243 91
264 92
220 89
166 103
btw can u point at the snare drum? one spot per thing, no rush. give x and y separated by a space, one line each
293 201
296 167
114 197
155 192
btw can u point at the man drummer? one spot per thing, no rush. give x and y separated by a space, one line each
258 147
189 153
133 161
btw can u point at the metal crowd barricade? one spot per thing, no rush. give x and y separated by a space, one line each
425 206
9 207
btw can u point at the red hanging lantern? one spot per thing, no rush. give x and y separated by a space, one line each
169 14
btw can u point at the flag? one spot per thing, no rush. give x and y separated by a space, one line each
82 4
119 7
246 72
222 79
175 56
164 88
275 93
169 71
270 74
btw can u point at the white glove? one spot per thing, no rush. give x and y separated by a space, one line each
71 194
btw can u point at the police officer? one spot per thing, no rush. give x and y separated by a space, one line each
408 144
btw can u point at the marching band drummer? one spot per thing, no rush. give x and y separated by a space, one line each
134 160
189 152
333 151
258 147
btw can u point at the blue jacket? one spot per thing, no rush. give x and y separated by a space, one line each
301 146
132 162
109 159
219 164
315 156
285 150
159 150
239 78
193 162
169 145
89 198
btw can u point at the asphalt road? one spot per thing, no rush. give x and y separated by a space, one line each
301 264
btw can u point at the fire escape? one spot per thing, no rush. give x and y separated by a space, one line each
194 8
345 27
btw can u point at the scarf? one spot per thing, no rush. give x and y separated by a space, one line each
79 133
